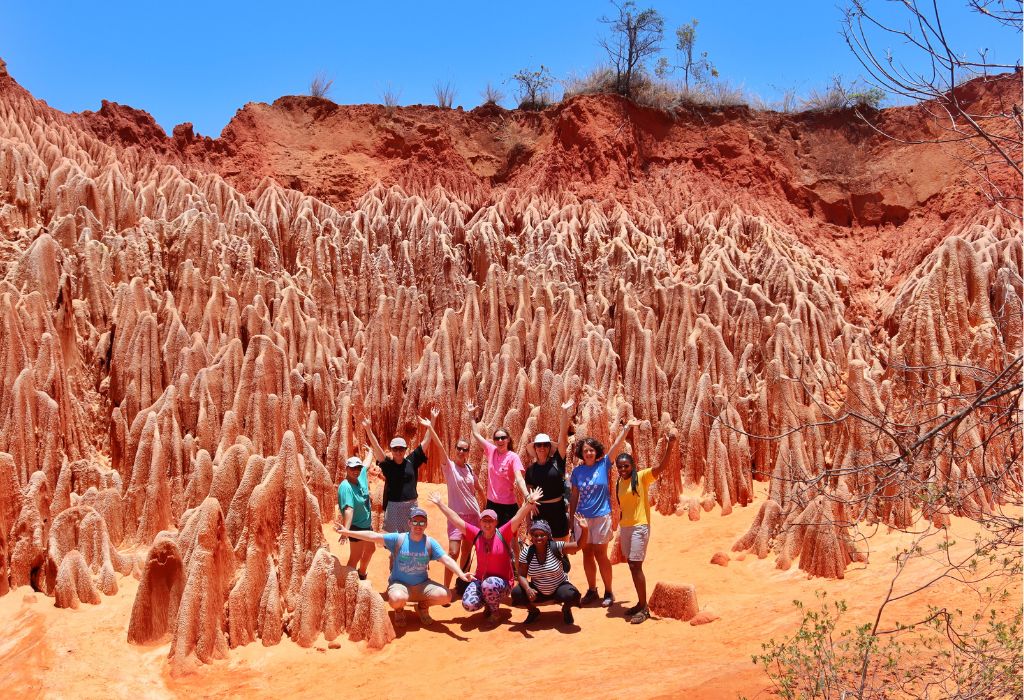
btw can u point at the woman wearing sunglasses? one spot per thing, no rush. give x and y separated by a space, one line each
589 498
504 471
461 482
541 573
548 473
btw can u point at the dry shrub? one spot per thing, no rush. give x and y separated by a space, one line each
601 80
444 93
492 95
320 85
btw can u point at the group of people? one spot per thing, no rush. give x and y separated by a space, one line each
540 495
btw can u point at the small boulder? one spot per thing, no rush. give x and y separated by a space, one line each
678 601
720 558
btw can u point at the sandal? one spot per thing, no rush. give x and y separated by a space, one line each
424 613
400 618
634 610
643 614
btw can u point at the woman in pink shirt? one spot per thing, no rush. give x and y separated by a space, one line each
461 482
504 471
493 547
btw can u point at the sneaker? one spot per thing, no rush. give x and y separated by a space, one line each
607 601
590 597
634 610
400 618
567 614
532 616
424 613
640 616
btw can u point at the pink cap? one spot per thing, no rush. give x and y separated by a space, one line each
488 513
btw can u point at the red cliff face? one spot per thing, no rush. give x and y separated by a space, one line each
191 330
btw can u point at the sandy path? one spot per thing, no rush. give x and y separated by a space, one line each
50 653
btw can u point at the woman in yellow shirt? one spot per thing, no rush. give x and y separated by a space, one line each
631 493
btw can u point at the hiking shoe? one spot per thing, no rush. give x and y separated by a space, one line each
532 616
400 618
590 597
424 613
607 601
634 610
567 614
640 616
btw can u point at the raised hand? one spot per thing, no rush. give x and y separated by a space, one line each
535 495
434 413
632 423
366 422
425 422
582 522
471 409
568 404
435 498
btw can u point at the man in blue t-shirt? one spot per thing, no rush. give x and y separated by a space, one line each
412 553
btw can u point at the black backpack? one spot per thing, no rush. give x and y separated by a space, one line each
531 554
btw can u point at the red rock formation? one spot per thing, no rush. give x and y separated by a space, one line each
191 330
677 601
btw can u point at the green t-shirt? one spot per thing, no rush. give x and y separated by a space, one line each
357 498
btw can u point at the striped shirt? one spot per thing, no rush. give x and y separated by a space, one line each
546 576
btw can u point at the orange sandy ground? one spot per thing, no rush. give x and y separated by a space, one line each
46 652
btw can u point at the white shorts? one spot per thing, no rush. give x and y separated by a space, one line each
600 530
633 541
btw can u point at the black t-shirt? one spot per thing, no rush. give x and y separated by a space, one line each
550 476
400 478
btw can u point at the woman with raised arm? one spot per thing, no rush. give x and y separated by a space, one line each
548 473
461 482
504 471
631 493
401 474
493 546
542 573
589 498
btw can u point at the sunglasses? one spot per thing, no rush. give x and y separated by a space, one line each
462 449
545 445
419 523
501 437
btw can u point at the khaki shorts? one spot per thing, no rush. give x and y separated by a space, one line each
426 591
633 541
600 530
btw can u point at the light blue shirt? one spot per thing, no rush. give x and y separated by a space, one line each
410 564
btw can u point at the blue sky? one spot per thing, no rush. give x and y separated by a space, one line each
202 62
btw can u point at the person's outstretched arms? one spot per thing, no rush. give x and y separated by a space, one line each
563 427
453 517
374 445
428 434
573 547
440 445
454 567
471 408
366 535
621 437
529 505
656 471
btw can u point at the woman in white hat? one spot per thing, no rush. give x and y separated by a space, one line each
354 506
548 474
401 474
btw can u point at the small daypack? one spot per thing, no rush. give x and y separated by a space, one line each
531 554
